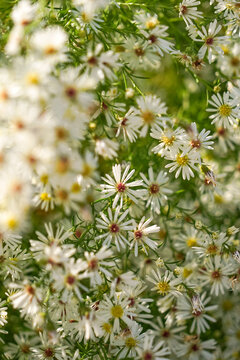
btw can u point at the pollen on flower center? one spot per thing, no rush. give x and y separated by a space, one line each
70 280
154 189
130 342
139 51
107 327
163 287
191 242
183 9
196 143
121 187
117 311
114 228
148 117
212 249
147 356
225 110
216 275
209 41
45 196
49 352
182 160
168 140
138 234
151 23
93 264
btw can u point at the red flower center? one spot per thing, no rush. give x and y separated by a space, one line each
209 41
114 228
138 234
154 188
121 187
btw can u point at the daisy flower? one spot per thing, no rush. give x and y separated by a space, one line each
150 351
156 40
27 298
129 125
139 54
106 148
168 334
119 185
189 12
200 140
97 264
210 246
169 139
195 309
50 43
216 273
211 41
115 309
165 284
156 191
140 235
150 110
116 228
188 239
183 162
129 341
195 349
224 113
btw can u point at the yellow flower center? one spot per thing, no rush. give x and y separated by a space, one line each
87 170
163 287
12 223
151 23
75 188
182 160
212 249
107 327
186 272
32 78
168 140
225 110
45 196
117 311
191 242
44 179
130 342
148 117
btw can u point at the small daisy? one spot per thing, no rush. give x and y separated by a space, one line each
169 139
183 163
115 309
211 41
189 12
165 284
216 273
129 125
151 351
156 190
139 54
28 298
195 309
150 110
97 264
225 114
50 43
106 148
116 228
119 185
157 41
200 140
195 349
128 342
210 246
140 235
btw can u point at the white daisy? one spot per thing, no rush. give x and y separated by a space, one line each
211 41
140 235
119 185
116 228
189 12
165 285
184 163
156 190
169 139
225 114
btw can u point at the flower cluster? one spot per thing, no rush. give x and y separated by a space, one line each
120 162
